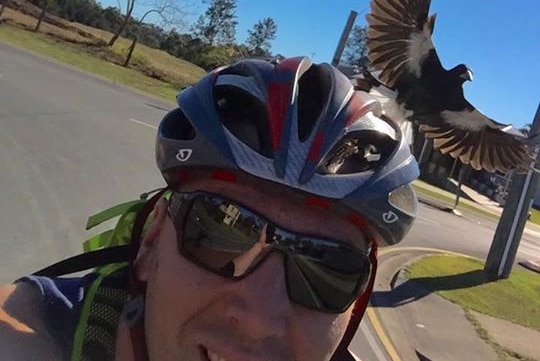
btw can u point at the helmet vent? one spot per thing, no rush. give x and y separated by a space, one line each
314 91
175 125
358 152
245 117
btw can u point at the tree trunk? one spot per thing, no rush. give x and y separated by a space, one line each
2 7
117 33
41 16
127 18
130 52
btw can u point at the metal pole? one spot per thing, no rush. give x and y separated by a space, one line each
344 36
458 192
503 250
423 151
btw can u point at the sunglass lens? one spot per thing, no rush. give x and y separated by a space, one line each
216 233
325 284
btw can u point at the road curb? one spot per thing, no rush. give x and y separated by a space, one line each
376 324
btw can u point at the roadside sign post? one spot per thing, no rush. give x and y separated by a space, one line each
344 36
503 250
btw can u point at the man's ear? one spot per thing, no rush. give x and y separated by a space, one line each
146 254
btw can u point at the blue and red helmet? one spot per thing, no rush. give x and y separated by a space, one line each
300 125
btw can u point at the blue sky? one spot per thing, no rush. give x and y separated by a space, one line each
498 39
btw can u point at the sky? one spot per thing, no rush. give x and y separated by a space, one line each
499 40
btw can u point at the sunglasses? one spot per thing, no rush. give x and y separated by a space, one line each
231 240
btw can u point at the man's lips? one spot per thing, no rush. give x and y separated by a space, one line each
226 354
208 355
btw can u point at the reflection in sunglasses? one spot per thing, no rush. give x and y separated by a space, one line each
231 240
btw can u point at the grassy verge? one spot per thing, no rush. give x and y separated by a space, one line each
535 216
72 54
503 353
462 281
447 199
150 70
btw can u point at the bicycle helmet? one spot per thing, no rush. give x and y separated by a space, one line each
301 125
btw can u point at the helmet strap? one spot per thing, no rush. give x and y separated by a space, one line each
359 309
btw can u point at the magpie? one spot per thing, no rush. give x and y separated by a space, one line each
408 71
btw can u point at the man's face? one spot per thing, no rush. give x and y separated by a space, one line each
193 314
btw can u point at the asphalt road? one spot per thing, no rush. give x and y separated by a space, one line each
471 234
72 144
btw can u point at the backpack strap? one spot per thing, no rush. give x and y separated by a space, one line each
86 261
112 246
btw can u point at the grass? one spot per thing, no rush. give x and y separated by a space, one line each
448 199
503 353
535 216
462 281
152 71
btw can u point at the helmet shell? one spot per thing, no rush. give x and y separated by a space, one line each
300 125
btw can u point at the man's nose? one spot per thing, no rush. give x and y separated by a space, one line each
260 306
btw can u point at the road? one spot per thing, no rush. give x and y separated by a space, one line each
470 234
72 144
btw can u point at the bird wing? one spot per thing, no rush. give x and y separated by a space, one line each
400 47
477 140
399 40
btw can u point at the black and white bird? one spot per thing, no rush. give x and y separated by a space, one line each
408 72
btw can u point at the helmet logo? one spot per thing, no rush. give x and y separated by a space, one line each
184 154
390 217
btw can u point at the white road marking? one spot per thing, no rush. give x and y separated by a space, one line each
142 123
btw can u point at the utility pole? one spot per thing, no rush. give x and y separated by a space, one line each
344 36
503 250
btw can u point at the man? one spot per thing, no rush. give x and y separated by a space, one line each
282 183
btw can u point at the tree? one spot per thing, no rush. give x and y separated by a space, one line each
2 7
130 5
356 48
42 14
258 41
218 25
218 55
165 9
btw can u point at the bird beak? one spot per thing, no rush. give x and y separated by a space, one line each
468 75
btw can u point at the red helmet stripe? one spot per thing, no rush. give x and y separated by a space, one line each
279 96
224 175
318 202
358 221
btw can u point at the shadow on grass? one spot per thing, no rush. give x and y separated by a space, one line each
416 288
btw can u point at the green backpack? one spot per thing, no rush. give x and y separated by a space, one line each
108 254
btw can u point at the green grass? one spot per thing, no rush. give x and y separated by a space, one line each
447 199
462 281
72 54
535 216
503 353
